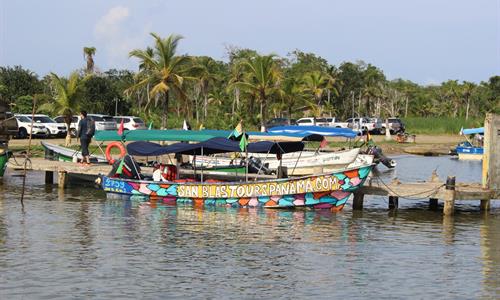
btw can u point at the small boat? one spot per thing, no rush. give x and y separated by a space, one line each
470 149
60 153
8 129
329 190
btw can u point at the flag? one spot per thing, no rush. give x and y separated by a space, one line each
461 131
201 126
243 142
236 133
121 128
368 136
150 125
185 126
323 143
119 170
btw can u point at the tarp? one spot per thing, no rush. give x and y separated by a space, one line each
318 130
211 146
199 136
472 131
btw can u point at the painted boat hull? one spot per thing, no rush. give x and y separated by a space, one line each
309 162
329 190
470 153
4 158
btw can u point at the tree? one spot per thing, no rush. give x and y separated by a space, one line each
66 94
315 84
162 70
261 79
291 94
206 76
88 53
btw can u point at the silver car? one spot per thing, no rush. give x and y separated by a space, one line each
103 122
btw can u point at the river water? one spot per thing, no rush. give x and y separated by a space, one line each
76 244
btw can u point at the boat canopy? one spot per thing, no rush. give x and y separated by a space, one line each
211 146
199 136
311 130
479 130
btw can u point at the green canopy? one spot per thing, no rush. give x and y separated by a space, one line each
160 135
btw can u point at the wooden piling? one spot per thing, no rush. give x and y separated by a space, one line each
433 203
49 177
485 205
449 197
491 157
357 202
62 179
393 202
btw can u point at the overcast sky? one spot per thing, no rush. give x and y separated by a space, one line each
426 41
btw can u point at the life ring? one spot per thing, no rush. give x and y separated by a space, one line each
118 145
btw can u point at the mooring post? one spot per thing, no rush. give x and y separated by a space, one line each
49 177
485 205
433 203
491 156
62 179
393 202
357 201
449 197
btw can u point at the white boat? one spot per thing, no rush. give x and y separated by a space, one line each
297 163
55 152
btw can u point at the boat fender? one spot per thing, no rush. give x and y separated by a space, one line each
118 145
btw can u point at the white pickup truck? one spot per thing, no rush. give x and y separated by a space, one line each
372 125
324 121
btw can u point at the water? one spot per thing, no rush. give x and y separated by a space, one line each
77 244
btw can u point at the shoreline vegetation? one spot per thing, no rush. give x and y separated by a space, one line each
169 87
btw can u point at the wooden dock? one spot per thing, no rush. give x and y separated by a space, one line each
432 189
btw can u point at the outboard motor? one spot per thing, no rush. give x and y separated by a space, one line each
380 157
131 169
255 165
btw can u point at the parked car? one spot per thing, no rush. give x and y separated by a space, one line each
378 127
24 125
55 129
280 122
73 126
364 124
130 122
396 125
102 122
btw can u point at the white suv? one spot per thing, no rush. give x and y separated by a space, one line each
102 122
55 129
24 125
130 123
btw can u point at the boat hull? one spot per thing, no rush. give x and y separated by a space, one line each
470 153
4 158
330 190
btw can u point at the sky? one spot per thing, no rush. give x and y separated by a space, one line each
426 41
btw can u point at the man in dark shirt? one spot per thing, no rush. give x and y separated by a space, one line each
86 129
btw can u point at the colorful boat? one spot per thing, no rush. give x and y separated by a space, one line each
328 190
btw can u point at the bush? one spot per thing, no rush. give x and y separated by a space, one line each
441 125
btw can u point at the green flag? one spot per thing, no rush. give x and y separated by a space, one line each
243 142
150 125
120 167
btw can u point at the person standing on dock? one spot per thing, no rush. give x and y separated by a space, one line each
86 130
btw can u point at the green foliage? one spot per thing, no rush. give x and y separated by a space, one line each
441 125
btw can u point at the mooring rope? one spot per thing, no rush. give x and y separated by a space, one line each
410 196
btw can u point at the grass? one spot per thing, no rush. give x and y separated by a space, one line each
443 125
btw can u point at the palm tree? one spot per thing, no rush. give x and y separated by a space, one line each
162 70
204 67
315 83
291 94
88 53
262 78
66 93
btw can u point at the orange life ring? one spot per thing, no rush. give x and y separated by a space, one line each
108 151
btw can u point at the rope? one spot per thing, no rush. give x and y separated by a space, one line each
410 196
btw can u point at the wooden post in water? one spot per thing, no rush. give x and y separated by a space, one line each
49 177
357 201
393 202
62 179
433 203
491 157
449 198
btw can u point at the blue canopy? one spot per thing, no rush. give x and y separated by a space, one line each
318 130
211 146
472 131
